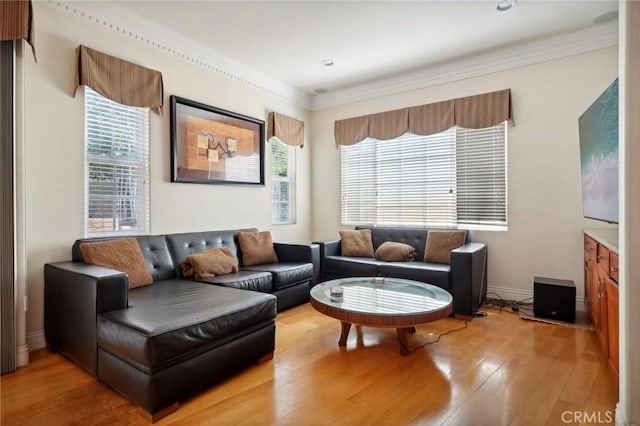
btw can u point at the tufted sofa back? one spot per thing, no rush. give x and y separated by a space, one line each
182 245
154 249
164 253
416 237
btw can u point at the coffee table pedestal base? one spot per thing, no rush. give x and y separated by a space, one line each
402 337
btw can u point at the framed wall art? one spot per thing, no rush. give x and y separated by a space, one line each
212 145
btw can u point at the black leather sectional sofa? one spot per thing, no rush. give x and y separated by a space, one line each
465 277
159 344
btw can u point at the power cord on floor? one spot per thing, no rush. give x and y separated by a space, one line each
408 352
512 306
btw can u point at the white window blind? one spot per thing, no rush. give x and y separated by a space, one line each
453 178
117 167
481 176
283 174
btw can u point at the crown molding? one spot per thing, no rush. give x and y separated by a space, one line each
113 17
508 58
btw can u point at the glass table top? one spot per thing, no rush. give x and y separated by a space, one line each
381 296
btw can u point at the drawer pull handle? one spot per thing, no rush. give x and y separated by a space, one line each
600 258
612 269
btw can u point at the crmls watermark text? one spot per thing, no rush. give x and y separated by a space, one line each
587 417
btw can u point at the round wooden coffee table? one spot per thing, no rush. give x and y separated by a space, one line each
381 302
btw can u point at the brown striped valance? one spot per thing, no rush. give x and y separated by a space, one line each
287 129
472 112
121 81
16 21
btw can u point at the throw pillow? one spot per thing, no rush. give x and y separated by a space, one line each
209 263
440 243
256 248
123 255
395 252
357 243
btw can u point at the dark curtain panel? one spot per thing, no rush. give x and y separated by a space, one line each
7 318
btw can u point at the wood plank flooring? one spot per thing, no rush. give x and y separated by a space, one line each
499 370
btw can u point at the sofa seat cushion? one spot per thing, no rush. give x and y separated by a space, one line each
285 274
430 273
245 280
352 266
174 319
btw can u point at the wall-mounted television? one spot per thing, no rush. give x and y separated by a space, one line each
598 128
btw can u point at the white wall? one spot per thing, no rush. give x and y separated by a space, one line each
628 409
544 193
54 145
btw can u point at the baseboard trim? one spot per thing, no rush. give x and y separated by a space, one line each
509 293
23 355
36 340
517 294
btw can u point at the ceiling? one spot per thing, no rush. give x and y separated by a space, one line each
366 40
379 48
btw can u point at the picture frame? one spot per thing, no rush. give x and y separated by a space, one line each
211 145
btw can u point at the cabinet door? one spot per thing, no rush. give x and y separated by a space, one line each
613 266
612 326
603 258
601 306
590 279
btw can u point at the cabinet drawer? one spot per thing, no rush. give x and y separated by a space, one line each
613 266
589 244
603 258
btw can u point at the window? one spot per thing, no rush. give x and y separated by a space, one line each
456 178
283 173
117 171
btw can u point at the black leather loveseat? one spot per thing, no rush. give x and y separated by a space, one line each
161 343
465 277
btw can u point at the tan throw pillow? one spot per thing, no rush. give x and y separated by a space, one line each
256 248
356 243
209 263
440 244
123 255
391 251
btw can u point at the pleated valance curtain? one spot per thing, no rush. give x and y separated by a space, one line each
16 21
472 112
287 129
119 80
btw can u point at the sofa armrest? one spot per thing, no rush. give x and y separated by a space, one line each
468 278
330 247
74 294
302 253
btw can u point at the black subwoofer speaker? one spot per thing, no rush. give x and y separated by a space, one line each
554 299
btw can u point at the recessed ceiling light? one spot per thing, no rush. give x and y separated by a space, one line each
327 62
506 5
606 17
320 91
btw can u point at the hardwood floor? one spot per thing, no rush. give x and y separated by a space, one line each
500 370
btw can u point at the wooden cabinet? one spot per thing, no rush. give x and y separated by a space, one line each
613 266
613 342
601 295
591 283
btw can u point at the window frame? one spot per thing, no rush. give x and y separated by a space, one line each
276 179
438 210
142 188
